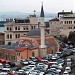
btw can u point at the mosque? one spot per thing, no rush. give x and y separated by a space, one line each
36 42
40 39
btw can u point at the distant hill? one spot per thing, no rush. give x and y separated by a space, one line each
4 15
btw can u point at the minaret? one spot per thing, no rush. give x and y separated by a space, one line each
42 26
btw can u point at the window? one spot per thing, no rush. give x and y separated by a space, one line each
10 28
52 51
34 26
15 28
69 27
10 36
9 43
31 27
74 27
15 35
6 56
24 34
7 36
65 22
7 28
18 35
13 57
26 27
71 22
18 53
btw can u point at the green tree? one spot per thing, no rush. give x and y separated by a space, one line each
71 38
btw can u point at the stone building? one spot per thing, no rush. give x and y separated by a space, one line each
13 30
54 27
62 25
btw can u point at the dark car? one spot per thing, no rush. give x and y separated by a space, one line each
12 64
6 65
33 59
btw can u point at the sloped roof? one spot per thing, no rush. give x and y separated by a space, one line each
55 19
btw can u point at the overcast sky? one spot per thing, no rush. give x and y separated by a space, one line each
51 6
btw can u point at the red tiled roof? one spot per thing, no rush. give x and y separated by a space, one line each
55 19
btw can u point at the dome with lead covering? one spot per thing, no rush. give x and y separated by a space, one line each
36 32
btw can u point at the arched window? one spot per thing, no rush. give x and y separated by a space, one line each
9 43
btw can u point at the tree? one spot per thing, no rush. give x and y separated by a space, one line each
71 37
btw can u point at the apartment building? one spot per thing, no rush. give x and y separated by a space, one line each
19 27
67 24
62 25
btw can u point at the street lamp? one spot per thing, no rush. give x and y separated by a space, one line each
27 51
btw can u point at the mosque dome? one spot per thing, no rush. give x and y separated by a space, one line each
36 32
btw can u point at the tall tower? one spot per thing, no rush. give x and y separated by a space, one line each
43 48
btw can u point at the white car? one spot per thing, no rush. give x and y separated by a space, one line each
24 62
1 66
6 70
32 66
34 72
45 61
66 73
69 62
4 73
68 69
60 67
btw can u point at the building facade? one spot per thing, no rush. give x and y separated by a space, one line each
13 30
64 24
2 38
54 27
67 24
33 38
17 52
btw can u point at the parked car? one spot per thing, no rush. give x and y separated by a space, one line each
38 58
68 69
4 73
15 69
3 61
45 61
7 70
24 62
66 73
69 62
12 64
33 59
6 65
1 66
